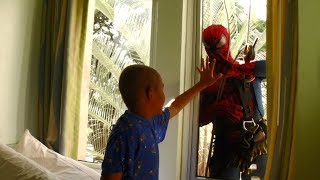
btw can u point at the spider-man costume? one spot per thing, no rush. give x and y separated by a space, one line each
229 105
227 109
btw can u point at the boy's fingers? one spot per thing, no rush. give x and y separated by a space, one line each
207 63
213 63
198 69
219 76
202 63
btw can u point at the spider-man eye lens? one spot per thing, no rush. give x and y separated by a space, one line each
222 42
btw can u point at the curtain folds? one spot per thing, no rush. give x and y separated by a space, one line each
64 25
282 48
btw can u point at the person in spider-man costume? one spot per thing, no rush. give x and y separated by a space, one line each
221 103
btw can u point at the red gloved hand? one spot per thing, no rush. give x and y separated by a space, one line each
250 53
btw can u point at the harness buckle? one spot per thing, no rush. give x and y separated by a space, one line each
250 126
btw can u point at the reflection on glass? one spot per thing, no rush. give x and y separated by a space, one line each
245 21
121 37
133 20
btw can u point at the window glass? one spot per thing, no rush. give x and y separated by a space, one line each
121 37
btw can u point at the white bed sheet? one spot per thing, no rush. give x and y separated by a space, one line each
14 165
34 161
61 166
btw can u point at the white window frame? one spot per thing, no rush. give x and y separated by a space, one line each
190 55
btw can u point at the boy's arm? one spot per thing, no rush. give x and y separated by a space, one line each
207 78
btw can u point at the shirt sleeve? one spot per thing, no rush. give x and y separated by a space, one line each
160 124
120 152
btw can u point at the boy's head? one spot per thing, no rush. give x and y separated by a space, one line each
142 87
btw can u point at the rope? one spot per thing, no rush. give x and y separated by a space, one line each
225 7
249 20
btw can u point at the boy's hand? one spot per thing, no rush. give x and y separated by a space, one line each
207 75
207 78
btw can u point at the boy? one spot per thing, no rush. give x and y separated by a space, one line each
132 149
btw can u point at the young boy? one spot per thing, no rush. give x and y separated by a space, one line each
132 149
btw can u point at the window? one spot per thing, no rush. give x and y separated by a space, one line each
121 37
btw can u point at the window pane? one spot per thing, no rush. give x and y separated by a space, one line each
121 37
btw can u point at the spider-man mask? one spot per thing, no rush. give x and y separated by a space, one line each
216 40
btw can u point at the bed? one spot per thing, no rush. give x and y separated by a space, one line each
31 160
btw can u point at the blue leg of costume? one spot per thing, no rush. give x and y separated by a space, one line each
218 165
258 109
261 162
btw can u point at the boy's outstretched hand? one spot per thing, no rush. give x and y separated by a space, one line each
207 75
207 78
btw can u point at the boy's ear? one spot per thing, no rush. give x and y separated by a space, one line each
149 93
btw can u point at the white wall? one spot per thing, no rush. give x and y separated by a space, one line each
19 57
167 26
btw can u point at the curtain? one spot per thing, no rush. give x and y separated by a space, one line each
61 70
282 48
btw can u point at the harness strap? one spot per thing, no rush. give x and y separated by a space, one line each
245 96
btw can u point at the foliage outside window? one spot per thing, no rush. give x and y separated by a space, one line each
121 37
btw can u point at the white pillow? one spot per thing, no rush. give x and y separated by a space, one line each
14 166
61 166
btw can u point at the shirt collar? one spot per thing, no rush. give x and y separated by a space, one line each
137 118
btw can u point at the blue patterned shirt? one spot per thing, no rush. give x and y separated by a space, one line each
133 146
